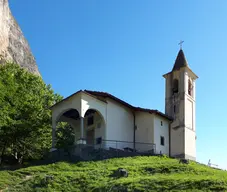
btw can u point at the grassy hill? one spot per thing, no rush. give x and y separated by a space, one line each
145 174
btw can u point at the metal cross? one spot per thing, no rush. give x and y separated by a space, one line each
181 42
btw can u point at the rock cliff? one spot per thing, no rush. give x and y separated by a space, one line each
13 45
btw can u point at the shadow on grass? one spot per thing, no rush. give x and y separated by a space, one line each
59 156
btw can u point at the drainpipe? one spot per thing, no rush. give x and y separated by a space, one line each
134 131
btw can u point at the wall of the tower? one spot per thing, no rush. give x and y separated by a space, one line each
190 144
181 107
190 129
177 146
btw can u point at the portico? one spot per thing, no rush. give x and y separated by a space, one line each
85 113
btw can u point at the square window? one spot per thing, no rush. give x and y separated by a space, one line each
162 140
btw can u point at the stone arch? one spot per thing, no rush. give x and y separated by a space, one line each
64 111
190 87
97 111
67 124
94 126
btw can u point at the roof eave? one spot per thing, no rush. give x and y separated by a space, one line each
80 91
164 116
165 75
152 111
65 99
186 67
195 76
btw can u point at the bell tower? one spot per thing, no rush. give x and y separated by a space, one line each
180 105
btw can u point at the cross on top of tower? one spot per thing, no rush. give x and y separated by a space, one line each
181 42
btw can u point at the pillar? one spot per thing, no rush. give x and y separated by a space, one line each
82 138
81 127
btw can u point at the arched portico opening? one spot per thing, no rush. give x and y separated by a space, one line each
68 114
94 127
66 128
70 128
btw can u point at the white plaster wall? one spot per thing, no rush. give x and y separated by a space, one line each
190 143
99 132
177 142
120 125
189 113
71 103
183 80
89 102
144 131
161 130
194 108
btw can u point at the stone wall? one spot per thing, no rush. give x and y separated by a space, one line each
13 45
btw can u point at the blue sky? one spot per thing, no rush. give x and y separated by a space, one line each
124 48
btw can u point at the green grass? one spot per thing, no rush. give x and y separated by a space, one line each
145 174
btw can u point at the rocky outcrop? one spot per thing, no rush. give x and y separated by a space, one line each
13 45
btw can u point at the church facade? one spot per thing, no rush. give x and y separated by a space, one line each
101 119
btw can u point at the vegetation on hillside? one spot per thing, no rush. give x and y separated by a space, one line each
145 174
25 117
25 134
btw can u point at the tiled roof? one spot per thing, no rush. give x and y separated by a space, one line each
102 95
107 95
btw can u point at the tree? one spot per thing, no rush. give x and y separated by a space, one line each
25 117
64 135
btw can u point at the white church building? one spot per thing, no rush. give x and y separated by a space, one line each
99 118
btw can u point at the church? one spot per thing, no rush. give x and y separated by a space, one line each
101 119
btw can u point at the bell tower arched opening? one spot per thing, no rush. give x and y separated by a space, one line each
190 87
175 86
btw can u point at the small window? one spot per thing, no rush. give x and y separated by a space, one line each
90 120
161 123
162 140
189 87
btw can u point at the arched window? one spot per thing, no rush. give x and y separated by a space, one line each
175 86
190 87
